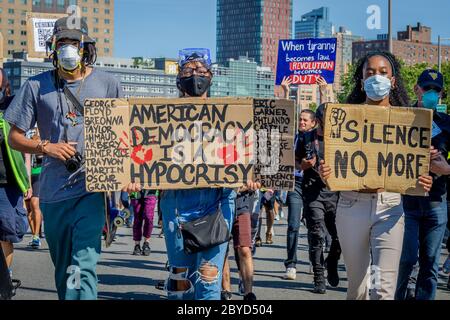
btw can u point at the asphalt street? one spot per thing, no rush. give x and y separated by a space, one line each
124 276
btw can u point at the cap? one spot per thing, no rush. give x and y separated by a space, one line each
202 55
431 77
75 29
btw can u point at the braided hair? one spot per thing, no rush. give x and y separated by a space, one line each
398 95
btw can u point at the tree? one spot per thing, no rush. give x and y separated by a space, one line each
347 84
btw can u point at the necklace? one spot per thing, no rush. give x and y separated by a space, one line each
72 114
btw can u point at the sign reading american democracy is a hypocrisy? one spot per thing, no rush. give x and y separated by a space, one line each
187 143
372 147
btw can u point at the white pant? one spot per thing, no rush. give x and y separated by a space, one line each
370 228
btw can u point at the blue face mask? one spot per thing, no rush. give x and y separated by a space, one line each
377 87
430 99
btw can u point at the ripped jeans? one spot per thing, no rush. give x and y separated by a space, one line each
200 274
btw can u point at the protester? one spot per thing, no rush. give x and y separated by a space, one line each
242 243
370 223
14 187
33 208
198 275
426 217
73 217
143 204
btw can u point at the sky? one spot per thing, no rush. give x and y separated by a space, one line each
159 28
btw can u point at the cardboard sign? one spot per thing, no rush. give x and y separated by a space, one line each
275 129
371 147
107 152
304 60
188 143
39 29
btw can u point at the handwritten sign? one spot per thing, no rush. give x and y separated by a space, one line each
189 143
107 152
275 128
371 147
304 60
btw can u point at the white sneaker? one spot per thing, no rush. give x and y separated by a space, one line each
291 274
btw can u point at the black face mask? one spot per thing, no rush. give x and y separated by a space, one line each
195 86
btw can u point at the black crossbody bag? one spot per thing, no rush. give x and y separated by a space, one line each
204 233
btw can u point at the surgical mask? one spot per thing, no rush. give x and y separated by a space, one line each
195 86
430 99
69 57
377 87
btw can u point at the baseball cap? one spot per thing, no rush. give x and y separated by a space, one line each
74 30
431 77
202 55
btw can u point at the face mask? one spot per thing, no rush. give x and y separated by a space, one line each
69 57
377 87
430 99
195 86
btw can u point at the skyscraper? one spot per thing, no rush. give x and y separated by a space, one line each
99 15
252 28
314 24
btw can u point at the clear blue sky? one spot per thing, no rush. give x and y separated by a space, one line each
159 28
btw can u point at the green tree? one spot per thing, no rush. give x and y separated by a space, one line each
347 84
313 106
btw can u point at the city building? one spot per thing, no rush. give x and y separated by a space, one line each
242 77
413 46
99 15
314 24
252 28
136 81
345 40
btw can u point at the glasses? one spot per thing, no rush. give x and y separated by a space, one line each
187 72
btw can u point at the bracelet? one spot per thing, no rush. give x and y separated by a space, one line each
41 145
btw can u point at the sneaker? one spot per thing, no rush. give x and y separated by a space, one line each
277 217
137 250
446 267
291 274
319 284
258 242
250 297
35 243
146 249
226 295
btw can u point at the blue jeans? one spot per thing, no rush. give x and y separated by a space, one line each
295 206
425 223
191 205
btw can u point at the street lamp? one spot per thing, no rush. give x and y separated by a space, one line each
439 52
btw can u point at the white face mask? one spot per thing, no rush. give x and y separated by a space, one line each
377 87
69 57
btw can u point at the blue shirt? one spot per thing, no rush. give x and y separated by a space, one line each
38 102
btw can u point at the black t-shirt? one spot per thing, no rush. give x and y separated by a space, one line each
311 145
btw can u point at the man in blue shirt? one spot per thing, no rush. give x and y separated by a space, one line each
73 217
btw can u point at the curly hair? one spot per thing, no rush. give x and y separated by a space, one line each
398 95
89 56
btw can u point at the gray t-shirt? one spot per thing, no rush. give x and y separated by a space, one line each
38 101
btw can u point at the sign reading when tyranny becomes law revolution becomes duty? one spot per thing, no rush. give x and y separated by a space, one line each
188 143
372 147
